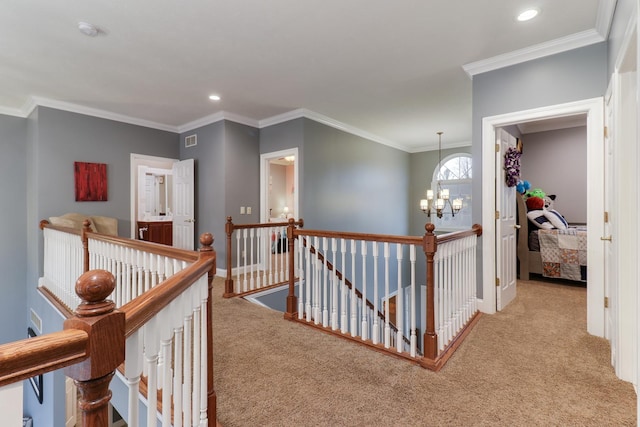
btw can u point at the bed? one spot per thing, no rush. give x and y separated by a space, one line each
551 252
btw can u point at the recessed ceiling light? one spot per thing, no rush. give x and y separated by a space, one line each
214 97
528 14
88 29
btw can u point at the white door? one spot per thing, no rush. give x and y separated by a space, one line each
505 226
183 211
610 272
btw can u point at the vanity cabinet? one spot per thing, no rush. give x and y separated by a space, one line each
156 232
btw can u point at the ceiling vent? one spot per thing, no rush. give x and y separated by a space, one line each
191 141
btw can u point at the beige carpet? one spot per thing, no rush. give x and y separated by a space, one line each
531 365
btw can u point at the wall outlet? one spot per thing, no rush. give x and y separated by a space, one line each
248 210
241 210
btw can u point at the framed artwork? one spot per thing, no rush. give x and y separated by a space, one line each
36 382
91 181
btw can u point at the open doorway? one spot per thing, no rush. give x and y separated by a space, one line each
279 185
593 110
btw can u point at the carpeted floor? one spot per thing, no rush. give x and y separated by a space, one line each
532 364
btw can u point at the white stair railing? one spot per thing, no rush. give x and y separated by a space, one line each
63 264
325 296
324 290
257 256
170 351
455 290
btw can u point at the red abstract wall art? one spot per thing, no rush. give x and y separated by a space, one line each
91 181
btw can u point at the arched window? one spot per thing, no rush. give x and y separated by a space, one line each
455 173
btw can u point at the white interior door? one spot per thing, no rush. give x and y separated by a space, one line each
505 226
183 209
610 272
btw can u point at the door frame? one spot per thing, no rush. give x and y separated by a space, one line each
265 158
135 161
594 109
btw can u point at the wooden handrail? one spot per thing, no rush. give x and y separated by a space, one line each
408 240
154 248
34 356
141 309
476 230
230 227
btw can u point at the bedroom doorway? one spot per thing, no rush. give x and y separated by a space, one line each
593 109
279 185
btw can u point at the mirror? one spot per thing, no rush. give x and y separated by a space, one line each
154 194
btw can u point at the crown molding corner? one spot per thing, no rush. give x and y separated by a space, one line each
563 44
103 114
604 18
281 118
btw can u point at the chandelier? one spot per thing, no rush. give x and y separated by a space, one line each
442 199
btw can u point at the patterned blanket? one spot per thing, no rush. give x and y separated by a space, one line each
564 253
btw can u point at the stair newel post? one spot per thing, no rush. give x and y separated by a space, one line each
86 227
430 245
105 326
207 251
228 283
292 299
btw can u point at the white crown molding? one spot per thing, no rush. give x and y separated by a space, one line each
11 112
217 117
604 19
563 44
446 146
88 111
320 118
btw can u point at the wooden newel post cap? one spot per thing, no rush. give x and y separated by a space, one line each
429 227
105 326
206 242
93 288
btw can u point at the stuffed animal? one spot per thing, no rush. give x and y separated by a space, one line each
536 192
534 203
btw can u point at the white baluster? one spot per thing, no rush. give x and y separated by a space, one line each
132 370
387 328
316 282
325 286
237 281
186 389
202 285
197 326
151 348
178 348
414 338
301 292
245 287
400 302
344 327
308 280
365 327
354 302
376 325
164 368
252 283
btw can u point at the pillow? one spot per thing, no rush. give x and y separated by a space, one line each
539 218
556 219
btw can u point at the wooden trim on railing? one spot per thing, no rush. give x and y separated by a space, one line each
408 240
476 230
143 308
57 303
155 248
34 356
229 228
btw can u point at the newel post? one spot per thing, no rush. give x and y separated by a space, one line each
430 245
228 283
86 227
105 326
207 251
292 299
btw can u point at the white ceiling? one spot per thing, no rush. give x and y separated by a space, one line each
389 70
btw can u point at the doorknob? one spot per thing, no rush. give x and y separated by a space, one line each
606 238
189 220
517 226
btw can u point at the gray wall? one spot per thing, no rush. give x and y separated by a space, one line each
570 76
13 227
625 10
353 184
556 162
227 162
